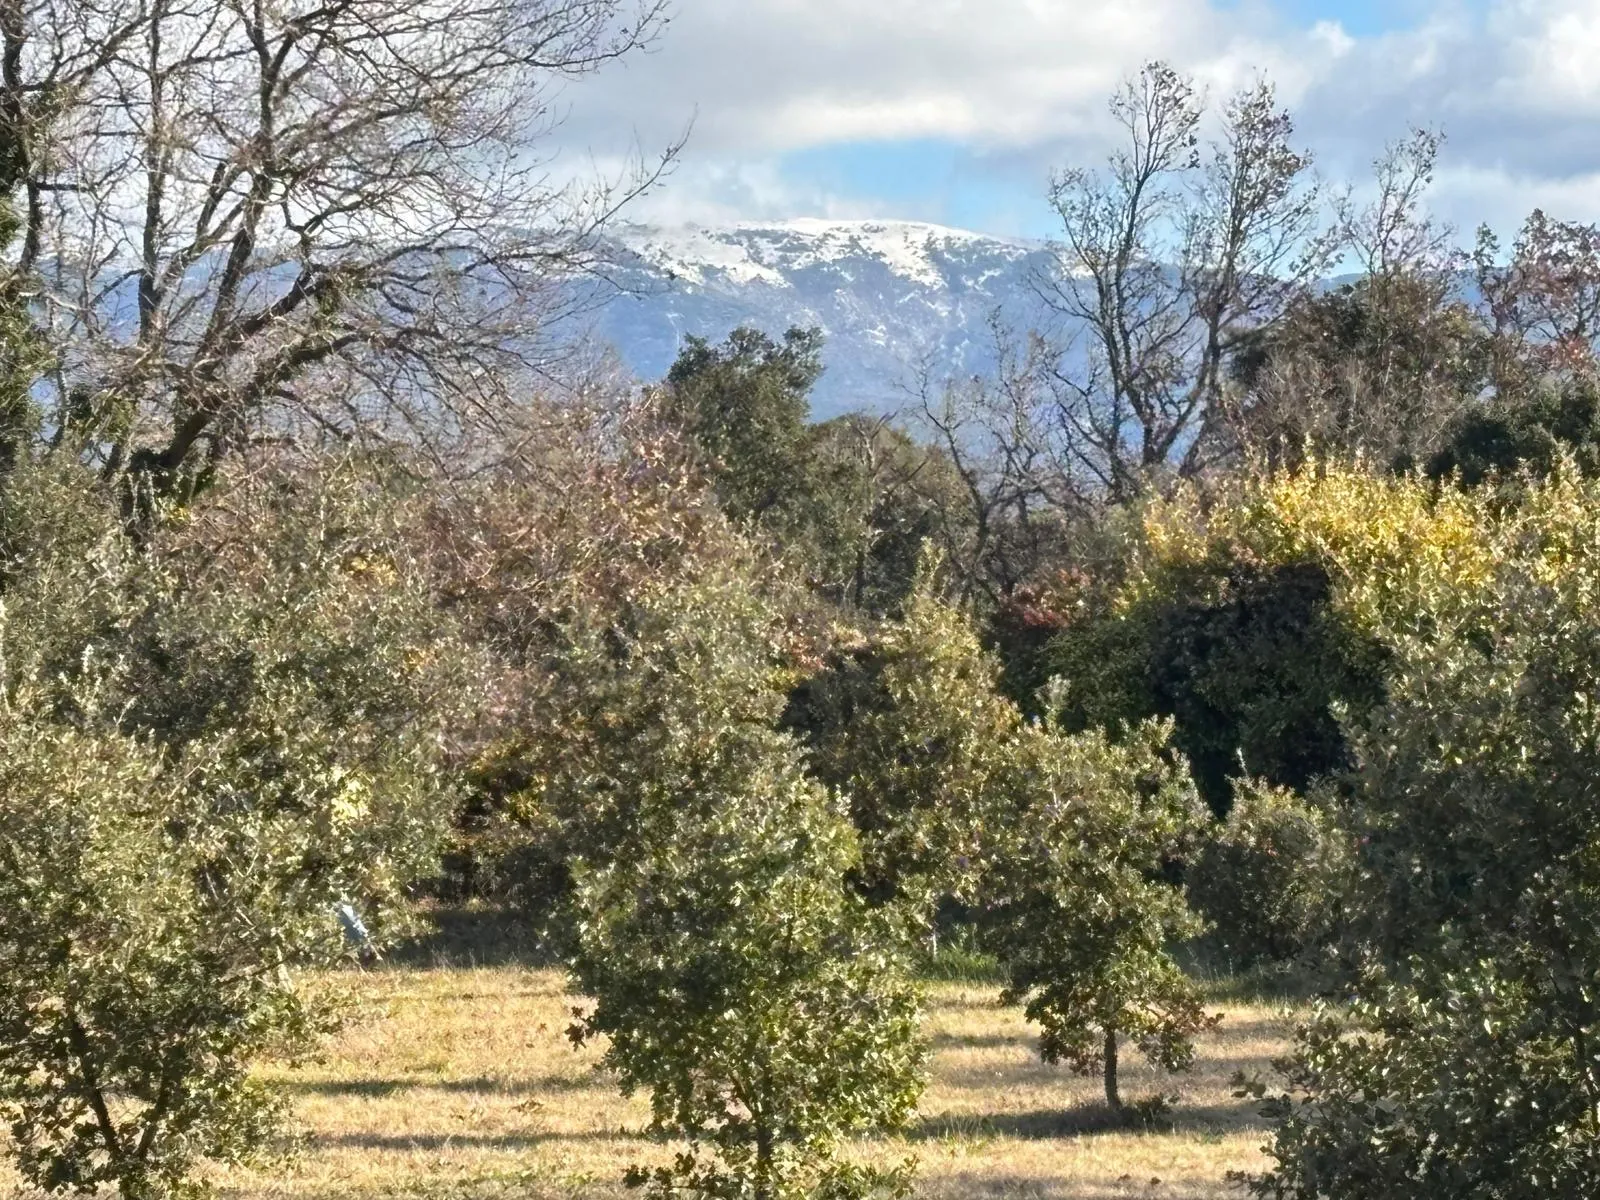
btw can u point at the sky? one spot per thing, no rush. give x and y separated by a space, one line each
957 111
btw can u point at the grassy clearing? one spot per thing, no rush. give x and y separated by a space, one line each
457 1083
454 1080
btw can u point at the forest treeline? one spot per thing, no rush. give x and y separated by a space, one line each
1255 628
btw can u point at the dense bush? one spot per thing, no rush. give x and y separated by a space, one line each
133 1001
1270 878
1461 1084
907 723
738 979
208 744
1255 617
1472 806
1524 433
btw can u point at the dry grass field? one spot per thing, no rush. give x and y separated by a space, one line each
457 1083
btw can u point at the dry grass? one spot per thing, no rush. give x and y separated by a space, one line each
459 1083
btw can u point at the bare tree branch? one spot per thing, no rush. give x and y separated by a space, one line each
250 217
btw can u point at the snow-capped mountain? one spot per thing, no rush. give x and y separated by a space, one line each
889 295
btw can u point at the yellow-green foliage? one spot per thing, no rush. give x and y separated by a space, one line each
1404 554
1391 543
1256 616
1471 1071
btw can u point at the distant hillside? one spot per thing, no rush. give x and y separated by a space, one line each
888 294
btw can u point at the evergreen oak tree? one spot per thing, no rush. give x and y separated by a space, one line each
733 972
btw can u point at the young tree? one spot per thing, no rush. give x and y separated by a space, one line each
134 1003
739 980
1076 906
733 972
246 221
1057 842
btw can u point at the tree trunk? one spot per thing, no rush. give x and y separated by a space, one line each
1113 1097
764 1157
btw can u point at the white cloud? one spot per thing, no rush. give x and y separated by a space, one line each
1553 46
1332 35
1515 87
723 193
767 76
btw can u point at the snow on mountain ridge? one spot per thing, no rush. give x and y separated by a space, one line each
753 252
889 296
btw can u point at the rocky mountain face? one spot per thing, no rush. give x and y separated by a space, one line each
889 295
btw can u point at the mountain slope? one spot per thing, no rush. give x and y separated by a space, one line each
889 295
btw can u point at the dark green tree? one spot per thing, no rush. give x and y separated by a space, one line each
1531 433
746 405
1077 905
208 744
1249 659
734 973
849 502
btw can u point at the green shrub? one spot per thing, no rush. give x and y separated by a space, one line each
1462 1084
1469 1069
1269 879
206 744
733 972
1534 433
909 726
738 979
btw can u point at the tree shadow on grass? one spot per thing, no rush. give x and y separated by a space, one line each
959 1041
487 1085
989 1185
1082 1120
473 937
401 1142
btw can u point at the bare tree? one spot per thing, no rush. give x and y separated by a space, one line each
1172 254
262 218
1544 303
1394 235
1018 486
1378 366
